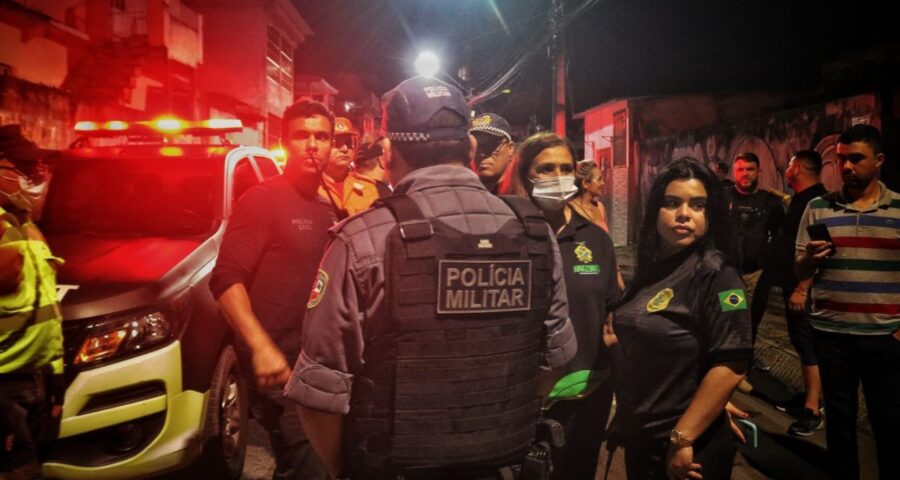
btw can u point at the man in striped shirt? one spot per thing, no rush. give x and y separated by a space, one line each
856 302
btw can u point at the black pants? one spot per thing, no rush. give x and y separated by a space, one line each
584 422
845 361
24 417
294 456
760 300
799 329
714 451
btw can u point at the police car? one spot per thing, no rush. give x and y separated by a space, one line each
137 210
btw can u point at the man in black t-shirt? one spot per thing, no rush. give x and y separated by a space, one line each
263 275
755 217
803 177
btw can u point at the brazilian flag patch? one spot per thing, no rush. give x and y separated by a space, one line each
731 300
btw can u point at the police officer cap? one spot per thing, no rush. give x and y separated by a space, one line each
408 108
493 124
22 152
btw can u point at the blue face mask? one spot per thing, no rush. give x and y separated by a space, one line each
552 193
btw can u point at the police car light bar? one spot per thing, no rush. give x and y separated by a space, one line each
279 153
220 123
83 127
168 125
162 126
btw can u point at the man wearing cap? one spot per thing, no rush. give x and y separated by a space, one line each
433 313
348 190
31 348
495 148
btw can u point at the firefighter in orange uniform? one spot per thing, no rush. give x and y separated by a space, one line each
347 189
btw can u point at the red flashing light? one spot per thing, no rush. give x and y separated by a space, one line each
168 125
115 125
85 126
165 126
170 151
218 123
278 153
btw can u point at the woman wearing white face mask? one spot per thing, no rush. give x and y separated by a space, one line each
581 399
29 193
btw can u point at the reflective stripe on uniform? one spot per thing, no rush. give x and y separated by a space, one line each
14 321
30 319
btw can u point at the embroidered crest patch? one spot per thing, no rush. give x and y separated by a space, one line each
583 253
318 290
482 121
660 301
731 300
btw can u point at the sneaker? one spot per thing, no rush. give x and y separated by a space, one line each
759 365
807 424
793 404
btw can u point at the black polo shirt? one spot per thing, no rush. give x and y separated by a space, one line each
273 243
754 219
671 332
589 263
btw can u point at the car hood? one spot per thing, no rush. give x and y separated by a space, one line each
103 275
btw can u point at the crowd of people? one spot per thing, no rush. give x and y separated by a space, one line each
412 306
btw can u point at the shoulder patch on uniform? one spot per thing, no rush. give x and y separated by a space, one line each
731 300
318 290
660 301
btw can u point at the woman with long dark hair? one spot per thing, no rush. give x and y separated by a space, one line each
581 399
682 331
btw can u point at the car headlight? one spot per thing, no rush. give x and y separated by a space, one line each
122 336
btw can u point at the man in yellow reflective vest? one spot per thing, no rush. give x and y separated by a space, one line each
31 346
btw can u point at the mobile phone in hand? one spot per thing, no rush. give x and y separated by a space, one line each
818 231
750 431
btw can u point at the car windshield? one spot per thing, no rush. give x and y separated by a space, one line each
133 196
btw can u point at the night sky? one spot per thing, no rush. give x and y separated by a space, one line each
617 48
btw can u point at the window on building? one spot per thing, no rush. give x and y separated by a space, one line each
618 140
280 59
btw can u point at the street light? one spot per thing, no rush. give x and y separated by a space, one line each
427 64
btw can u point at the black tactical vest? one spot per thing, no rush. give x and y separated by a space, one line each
450 374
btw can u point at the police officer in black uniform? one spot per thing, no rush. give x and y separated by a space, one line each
435 317
755 215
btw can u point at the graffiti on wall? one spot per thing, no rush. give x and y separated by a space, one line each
43 112
773 138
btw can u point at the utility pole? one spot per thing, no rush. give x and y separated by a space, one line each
558 59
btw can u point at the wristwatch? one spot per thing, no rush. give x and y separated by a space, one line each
678 440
